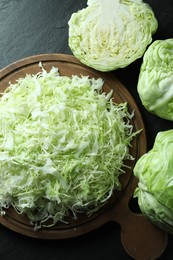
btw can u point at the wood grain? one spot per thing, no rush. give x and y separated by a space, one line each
138 235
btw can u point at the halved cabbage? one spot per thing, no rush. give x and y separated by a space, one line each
111 34
155 84
155 188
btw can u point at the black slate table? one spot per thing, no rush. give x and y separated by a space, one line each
29 27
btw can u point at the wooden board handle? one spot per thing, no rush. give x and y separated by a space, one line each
141 239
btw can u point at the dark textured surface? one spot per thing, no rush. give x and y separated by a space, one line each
29 27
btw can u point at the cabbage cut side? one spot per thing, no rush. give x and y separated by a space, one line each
62 146
111 34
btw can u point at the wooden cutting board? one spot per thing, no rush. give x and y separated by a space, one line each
140 238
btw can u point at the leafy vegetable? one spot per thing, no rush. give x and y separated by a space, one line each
62 146
111 34
155 84
155 188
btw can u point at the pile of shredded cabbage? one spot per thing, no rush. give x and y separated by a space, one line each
62 146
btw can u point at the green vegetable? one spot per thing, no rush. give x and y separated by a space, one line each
155 188
62 146
111 34
155 84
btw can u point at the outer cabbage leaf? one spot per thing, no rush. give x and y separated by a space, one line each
155 84
155 188
155 211
108 35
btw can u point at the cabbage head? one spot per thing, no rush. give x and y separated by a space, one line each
155 84
155 188
111 34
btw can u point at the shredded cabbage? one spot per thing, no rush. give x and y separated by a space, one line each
62 146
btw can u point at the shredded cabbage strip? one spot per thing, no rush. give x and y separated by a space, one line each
62 146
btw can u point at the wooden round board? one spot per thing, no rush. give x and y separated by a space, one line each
140 238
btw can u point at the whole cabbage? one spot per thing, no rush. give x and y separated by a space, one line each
155 84
111 34
155 188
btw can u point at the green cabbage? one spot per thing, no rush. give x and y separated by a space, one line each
62 146
111 34
155 84
155 188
